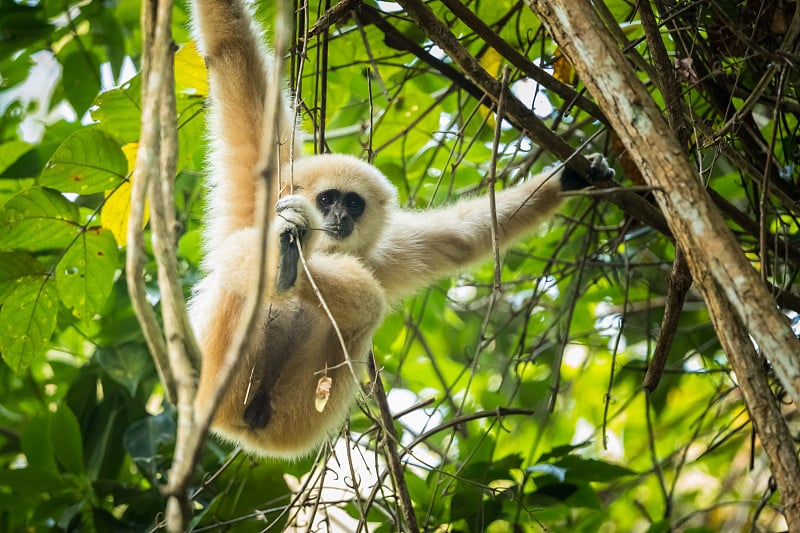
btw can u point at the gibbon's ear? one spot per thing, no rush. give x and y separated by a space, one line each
571 180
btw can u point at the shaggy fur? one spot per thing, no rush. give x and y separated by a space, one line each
268 407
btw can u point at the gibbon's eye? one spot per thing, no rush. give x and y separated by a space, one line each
326 199
354 204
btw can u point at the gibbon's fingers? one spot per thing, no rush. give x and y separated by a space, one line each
600 170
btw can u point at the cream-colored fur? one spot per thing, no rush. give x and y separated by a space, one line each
391 254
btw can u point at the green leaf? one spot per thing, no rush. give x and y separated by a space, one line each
552 494
21 25
38 219
88 161
31 481
80 78
580 469
119 111
27 321
37 443
13 267
126 364
10 152
145 436
67 433
85 274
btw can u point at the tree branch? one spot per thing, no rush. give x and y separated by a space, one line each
738 302
522 117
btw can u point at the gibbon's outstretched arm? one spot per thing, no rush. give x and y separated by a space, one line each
420 247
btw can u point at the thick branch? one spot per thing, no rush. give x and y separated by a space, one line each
712 251
148 155
521 62
521 116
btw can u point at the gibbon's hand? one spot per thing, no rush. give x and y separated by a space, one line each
600 170
295 222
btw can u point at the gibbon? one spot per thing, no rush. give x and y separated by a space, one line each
363 251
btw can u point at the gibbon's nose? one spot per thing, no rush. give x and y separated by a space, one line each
339 214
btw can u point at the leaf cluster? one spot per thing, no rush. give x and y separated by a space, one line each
521 409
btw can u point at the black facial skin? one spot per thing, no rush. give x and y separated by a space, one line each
340 211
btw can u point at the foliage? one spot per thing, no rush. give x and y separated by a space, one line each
86 437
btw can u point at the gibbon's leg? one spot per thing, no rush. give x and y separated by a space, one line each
270 407
420 247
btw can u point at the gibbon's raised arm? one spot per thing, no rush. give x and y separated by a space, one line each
239 69
420 247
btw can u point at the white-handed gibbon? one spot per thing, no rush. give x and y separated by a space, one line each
363 251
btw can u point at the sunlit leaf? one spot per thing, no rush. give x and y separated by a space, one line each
190 70
38 219
563 70
492 62
89 161
10 152
14 266
117 207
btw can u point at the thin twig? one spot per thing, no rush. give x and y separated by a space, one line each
390 441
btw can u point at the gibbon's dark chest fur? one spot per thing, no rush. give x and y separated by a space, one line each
282 333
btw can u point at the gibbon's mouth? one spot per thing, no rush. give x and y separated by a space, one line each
339 232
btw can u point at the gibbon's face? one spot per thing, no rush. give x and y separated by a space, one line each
352 196
340 211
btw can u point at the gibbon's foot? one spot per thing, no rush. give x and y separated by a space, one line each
295 218
600 170
258 411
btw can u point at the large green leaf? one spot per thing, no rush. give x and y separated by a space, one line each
38 219
580 469
38 444
89 161
126 364
119 110
80 78
67 432
85 273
